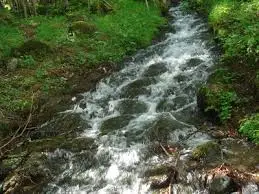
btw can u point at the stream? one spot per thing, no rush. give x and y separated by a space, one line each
149 103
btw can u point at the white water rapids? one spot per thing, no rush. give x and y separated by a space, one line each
151 100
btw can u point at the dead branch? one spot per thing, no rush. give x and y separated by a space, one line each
18 133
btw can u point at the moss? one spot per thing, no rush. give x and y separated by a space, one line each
205 149
61 142
33 48
250 128
14 160
159 170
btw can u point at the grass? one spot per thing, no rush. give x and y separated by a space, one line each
115 34
10 37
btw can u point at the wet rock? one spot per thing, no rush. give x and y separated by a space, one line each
181 78
136 88
61 142
131 107
157 171
222 185
115 123
174 104
238 153
155 70
193 62
162 128
12 64
62 124
163 183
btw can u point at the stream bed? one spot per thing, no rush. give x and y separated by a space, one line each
136 114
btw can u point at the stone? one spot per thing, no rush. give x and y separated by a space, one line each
155 70
222 185
115 123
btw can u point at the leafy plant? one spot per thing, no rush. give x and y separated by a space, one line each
226 100
28 61
250 127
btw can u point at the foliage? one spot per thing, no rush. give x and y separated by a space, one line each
10 37
52 30
236 24
250 128
220 100
28 61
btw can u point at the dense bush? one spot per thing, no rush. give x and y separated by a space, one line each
250 128
236 24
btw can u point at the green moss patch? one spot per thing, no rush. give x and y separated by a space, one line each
209 148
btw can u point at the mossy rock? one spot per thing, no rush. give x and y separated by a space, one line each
34 48
206 150
82 27
31 175
62 142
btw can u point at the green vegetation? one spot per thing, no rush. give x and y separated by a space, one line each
250 128
233 90
59 42
203 150
219 100
235 22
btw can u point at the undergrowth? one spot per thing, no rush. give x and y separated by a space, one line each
250 128
235 23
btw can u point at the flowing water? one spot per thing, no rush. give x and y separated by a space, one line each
149 102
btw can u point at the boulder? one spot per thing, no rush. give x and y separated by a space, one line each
222 185
207 151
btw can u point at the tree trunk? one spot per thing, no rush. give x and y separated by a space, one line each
24 8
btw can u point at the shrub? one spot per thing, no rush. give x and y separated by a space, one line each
250 128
